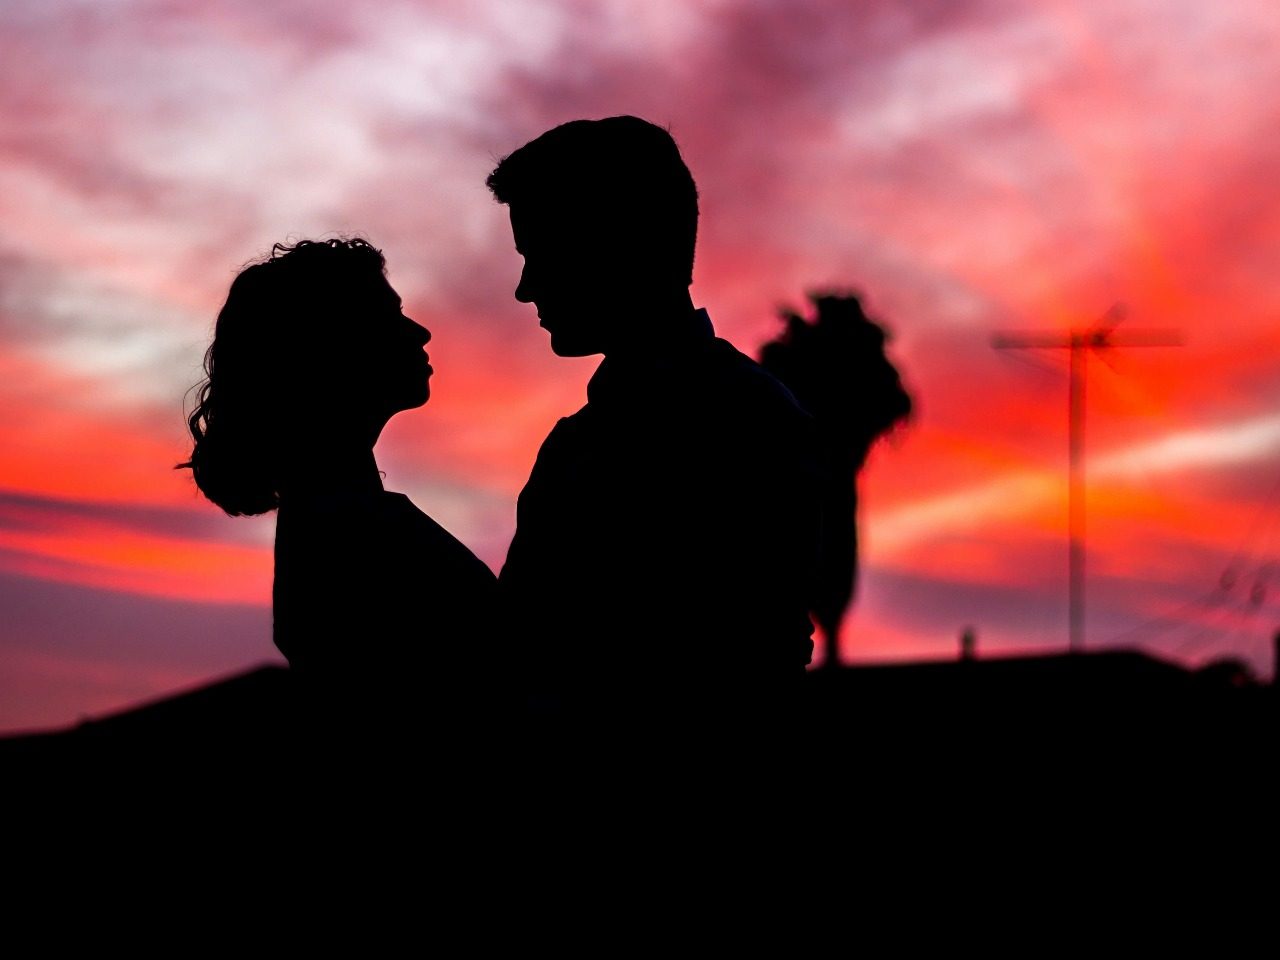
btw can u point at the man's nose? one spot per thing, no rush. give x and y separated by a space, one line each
524 289
421 335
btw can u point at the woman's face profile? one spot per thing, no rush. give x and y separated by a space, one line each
408 372
385 364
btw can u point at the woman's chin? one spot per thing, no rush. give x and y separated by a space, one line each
411 401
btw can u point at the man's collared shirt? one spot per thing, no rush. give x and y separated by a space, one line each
669 529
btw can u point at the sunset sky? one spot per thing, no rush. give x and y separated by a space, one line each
970 166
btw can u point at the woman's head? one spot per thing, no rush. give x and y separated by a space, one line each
310 349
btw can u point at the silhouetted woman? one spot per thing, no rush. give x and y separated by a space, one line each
376 606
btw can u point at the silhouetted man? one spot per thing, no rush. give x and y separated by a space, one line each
667 535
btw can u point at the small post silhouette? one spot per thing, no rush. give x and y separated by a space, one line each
1098 337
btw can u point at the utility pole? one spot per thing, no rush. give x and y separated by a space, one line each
1079 343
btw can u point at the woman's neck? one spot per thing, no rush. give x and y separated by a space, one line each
331 471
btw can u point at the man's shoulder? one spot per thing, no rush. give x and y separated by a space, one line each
570 427
569 438
713 392
738 383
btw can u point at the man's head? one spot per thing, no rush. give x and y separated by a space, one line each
605 214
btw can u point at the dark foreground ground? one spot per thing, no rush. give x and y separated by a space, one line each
1091 715
1082 771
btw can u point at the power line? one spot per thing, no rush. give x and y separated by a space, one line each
1238 569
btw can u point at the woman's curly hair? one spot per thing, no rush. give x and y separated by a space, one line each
280 317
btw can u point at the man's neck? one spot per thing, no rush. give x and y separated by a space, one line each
654 324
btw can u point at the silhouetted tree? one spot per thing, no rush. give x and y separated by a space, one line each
835 364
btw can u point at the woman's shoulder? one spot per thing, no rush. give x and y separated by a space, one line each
429 541
382 530
403 514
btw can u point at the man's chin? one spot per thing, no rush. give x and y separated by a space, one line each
563 346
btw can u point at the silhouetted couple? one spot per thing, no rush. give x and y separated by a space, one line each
663 559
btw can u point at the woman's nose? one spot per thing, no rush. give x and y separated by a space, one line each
420 333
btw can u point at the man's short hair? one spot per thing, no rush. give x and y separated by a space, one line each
620 172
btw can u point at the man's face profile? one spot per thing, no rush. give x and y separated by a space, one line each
571 275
